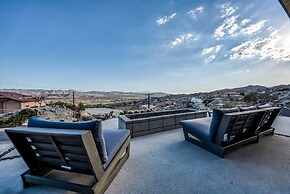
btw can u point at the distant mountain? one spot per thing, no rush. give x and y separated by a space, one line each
38 92
245 89
119 92
280 88
69 92
257 88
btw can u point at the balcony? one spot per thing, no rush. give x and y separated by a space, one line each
165 163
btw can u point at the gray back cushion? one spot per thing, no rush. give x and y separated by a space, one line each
264 106
217 117
246 108
95 126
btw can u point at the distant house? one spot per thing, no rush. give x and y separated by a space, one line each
11 101
233 96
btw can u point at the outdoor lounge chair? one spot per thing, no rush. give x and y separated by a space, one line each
49 148
230 128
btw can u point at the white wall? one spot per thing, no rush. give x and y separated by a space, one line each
11 106
1 108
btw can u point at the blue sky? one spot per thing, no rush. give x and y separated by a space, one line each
154 45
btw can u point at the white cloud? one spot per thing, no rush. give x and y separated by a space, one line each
245 21
165 19
207 50
210 58
228 27
253 28
232 26
266 48
185 38
274 33
270 28
199 9
239 47
193 13
219 32
218 48
226 10
233 29
241 71
214 49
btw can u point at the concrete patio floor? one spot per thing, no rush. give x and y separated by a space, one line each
166 163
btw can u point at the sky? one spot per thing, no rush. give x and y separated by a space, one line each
172 46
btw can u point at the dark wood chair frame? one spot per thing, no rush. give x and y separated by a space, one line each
237 129
44 150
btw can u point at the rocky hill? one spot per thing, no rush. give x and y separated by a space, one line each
101 97
246 89
69 92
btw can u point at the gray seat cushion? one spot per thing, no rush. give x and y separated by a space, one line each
114 139
199 127
95 126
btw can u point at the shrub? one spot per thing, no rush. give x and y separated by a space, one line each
148 110
1 122
20 117
64 105
81 107
86 118
78 115
16 120
28 112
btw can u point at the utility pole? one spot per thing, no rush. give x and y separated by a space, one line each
148 101
73 104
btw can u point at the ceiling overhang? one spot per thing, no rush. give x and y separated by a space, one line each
286 5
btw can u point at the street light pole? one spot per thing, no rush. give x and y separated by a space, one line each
73 104
149 101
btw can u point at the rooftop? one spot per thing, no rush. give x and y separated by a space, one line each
166 163
5 96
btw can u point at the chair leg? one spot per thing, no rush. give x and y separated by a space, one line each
258 138
185 134
25 183
273 131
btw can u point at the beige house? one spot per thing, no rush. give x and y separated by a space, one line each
11 101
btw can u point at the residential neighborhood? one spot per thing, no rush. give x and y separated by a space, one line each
62 105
